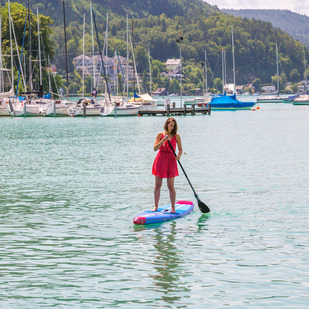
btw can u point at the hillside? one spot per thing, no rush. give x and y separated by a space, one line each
135 8
295 24
157 24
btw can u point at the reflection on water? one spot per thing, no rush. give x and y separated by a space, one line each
201 222
168 262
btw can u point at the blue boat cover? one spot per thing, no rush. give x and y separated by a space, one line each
135 95
45 96
229 101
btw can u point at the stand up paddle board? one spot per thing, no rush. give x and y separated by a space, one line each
163 213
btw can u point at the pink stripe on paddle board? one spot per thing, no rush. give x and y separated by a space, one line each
185 202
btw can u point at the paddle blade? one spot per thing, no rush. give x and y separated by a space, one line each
203 207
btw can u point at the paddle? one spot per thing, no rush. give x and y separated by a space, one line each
203 207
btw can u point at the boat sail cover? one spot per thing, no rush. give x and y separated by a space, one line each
7 94
229 101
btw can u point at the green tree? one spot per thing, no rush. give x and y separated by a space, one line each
174 86
217 84
294 76
256 83
166 83
281 82
141 57
19 14
294 88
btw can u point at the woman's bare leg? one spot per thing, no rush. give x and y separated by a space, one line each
157 189
170 185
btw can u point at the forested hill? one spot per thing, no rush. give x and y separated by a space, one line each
157 24
297 25
135 8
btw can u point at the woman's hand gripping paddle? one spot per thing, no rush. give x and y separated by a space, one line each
203 207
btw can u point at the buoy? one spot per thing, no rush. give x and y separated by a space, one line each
139 115
258 107
253 109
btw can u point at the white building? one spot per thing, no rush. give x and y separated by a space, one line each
268 89
173 64
113 65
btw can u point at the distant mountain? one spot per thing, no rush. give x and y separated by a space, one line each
297 25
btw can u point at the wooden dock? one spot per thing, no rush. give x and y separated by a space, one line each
179 111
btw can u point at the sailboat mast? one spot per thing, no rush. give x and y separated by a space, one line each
30 51
305 72
234 79
106 47
49 81
277 60
101 55
134 64
133 56
127 56
180 38
1 66
39 46
150 81
92 38
223 80
116 72
206 82
66 50
83 55
11 44
203 83
106 35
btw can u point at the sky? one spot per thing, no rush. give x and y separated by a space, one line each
297 6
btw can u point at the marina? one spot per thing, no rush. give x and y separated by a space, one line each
173 111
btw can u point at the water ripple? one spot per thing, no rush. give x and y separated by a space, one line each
69 189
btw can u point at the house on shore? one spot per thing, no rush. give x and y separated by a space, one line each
173 64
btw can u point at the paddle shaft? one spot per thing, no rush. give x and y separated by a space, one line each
183 171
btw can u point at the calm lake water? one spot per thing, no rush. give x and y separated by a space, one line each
69 189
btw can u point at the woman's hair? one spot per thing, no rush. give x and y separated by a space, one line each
170 119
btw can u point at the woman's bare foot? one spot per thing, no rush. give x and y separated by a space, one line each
154 208
173 210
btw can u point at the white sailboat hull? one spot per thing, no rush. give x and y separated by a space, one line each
90 111
125 111
33 110
58 109
4 107
3 111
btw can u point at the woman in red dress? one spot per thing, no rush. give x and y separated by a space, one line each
165 164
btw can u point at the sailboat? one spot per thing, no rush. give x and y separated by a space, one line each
303 98
35 101
229 102
9 99
112 107
272 98
145 100
62 107
206 98
86 106
4 95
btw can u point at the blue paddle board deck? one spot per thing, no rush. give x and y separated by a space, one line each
164 214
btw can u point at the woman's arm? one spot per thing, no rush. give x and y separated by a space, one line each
178 141
159 141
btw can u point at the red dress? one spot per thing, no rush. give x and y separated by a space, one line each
165 163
